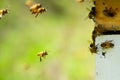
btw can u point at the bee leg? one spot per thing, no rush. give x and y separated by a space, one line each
40 59
94 19
36 15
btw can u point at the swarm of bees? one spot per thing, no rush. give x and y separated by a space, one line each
42 54
3 12
104 45
35 8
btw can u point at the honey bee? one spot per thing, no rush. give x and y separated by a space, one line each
95 32
92 13
98 30
35 8
3 12
110 12
93 48
42 54
107 44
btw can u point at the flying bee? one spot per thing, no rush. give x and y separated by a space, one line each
93 48
3 12
42 54
35 8
38 10
107 44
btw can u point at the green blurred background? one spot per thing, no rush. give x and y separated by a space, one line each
64 31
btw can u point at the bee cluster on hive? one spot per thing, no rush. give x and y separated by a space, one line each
105 14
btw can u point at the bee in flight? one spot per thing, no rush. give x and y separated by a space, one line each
107 44
3 12
35 8
42 54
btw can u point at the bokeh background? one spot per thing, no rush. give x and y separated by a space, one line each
64 31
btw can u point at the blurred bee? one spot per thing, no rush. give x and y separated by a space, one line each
107 44
3 12
92 13
93 48
42 54
35 8
110 12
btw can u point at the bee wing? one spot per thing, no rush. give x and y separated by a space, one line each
88 9
0 16
97 45
87 17
29 3
108 40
